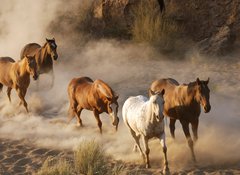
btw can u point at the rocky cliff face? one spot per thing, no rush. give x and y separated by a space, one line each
215 24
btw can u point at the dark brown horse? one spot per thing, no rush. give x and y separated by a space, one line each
183 103
43 55
96 96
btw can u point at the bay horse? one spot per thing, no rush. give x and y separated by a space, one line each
183 103
43 55
16 75
96 96
144 118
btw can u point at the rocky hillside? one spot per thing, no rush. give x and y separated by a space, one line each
215 24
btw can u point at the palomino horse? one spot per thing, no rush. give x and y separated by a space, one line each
144 118
43 55
183 102
96 96
17 75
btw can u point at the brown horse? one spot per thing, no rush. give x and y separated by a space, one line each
17 75
183 103
96 96
43 55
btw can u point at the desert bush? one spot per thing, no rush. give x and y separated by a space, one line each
90 159
55 166
151 26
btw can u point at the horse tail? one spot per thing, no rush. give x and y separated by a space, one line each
71 114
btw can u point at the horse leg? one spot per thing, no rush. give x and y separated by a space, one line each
99 122
163 143
9 93
185 126
53 78
1 86
195 129
78 113
21 94
137 143
172 127
147 151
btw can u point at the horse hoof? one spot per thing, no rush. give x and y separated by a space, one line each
148 166
166 171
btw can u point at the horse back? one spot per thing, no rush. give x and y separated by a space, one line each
168 84
80 91
6 64
30 49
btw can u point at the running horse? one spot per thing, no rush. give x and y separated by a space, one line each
96 96
16 75
144 118
183 103
43 55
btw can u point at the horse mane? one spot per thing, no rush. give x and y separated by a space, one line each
104 89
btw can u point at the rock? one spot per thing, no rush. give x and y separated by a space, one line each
218 44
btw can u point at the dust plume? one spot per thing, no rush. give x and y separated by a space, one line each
129 69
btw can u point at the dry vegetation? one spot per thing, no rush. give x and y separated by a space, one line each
89 159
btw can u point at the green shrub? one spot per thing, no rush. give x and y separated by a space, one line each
55 166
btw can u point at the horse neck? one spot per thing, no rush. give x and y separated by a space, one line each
105 89
190 92
21 66
44 53
149 109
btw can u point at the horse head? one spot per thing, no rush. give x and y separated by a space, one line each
203 94
32 66
52 48
158 104
110 100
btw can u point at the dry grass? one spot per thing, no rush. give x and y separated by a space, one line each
90 158
151 27
55 166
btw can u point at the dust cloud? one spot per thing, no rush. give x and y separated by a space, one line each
129 69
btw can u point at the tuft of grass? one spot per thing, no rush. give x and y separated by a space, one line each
90 159
151 26
55 166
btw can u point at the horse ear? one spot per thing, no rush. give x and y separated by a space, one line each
163 92
151 92
116 96
208 80
53 39
47 40
198 81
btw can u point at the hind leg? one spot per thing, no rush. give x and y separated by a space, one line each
172 127
9 93
137 143
72 110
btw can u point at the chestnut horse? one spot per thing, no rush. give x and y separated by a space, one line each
17 75
43 55
96 96
183 103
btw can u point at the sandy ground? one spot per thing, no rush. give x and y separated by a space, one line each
26 140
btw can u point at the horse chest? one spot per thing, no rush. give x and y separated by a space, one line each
46 65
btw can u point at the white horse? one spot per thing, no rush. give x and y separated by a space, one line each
144 118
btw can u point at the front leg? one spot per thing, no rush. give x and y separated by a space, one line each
99 122
147 151
164 147
185 126
21 94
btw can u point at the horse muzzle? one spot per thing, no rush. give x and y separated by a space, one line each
35 77
115 123
207 108
55 57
